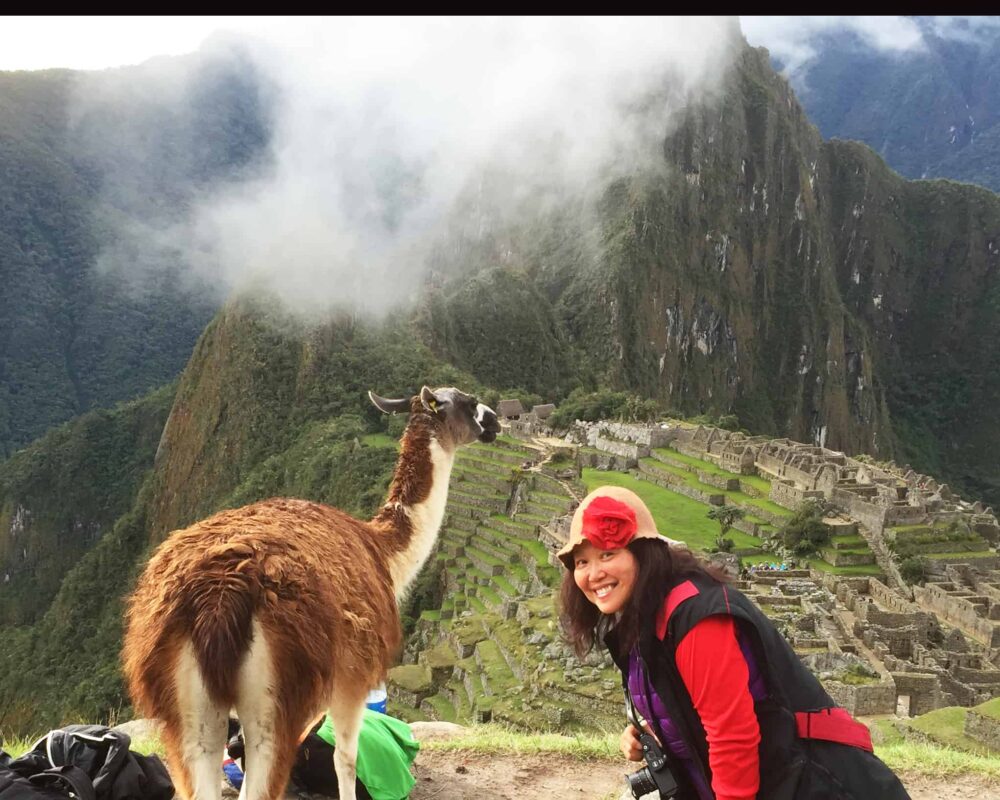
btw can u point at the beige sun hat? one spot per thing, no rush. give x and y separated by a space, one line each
610 499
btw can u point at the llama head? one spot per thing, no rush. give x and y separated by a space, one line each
460 417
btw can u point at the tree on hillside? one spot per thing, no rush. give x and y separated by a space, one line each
806 532
726 516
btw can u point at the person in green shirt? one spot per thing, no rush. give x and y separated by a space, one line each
386 749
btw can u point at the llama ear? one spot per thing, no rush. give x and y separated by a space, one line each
429 400
388 406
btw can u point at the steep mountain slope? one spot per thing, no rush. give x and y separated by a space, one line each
61 494
797 282
930 112
80 330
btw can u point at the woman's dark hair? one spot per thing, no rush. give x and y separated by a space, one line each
659 568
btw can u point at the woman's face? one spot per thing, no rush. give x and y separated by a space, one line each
606 577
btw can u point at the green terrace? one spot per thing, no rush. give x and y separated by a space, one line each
676 515
483 668
940 540
736 498
684 518
493 566
670 455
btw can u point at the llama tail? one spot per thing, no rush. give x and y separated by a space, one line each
222 629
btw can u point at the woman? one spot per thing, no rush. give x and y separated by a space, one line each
734 709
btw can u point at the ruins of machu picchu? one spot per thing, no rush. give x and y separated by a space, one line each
493 649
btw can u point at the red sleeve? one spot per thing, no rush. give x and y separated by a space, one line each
715 673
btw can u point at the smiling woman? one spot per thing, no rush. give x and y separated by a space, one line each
706 674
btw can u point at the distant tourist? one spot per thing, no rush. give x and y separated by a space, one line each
704 670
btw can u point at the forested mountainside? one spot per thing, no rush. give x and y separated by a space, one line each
80 329
756 269
929 112
801 284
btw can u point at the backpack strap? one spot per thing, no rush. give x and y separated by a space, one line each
73 780
833 725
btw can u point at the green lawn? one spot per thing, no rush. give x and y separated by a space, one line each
734 498
676 516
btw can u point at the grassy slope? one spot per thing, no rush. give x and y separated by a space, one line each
676 516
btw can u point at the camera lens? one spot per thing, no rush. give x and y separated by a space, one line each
640 782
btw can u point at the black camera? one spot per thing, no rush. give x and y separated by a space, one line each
655 776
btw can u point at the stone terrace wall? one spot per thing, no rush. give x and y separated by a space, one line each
959 612
628 450
889 599
790 496
871 515
878 698
649 435
675 483
904 515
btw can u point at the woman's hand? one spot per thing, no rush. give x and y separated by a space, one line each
630 745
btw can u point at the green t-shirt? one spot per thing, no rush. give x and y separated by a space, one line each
386 748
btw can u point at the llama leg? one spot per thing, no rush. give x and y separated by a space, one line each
346 712
269 738
202 730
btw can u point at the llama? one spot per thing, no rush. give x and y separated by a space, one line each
285 608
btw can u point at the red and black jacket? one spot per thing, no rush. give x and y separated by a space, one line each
809 748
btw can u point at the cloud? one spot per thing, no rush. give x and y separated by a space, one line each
379 125
794 40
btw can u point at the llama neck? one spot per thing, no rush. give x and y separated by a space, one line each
414 511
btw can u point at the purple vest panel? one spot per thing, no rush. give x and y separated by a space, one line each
650 706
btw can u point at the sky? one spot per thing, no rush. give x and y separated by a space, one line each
99 42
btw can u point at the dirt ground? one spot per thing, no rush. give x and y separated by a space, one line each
445 775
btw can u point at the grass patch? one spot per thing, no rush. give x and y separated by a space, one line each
675 515
759 483
947 727
933 761
380 440
734 497
991 708
492 738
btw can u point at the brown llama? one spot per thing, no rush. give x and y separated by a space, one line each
285 608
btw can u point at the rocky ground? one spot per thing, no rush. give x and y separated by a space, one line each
462 776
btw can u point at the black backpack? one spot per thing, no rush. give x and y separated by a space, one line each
89 762
50 784
313 768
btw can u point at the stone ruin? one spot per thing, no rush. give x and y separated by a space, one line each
875 651
877 648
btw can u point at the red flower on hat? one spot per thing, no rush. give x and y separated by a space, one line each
608 523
